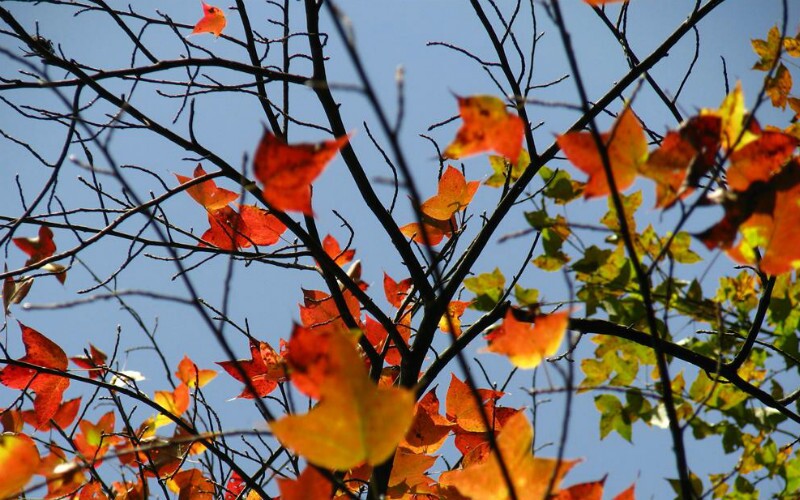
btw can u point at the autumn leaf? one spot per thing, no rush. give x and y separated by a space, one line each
176 402
779 86
759 159
287 171
627 494
309 484
189 374
15 291
227 229
378 337
264 370
207 193
454 195
530 475
319 311
38 248
488 126
64 416
94 440
355 421
49 389
93 363
768 49
436 230
526 344
766 214
592 490
213 21
19 461
396 292
408 474
626 147
455 309
429 429
335 252
191 484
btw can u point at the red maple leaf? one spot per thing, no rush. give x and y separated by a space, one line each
287 171
264 370
49 389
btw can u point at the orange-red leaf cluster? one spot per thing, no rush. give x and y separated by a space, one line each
488 126
213 21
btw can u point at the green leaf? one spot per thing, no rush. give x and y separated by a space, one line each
560 186
501 166
488 288
612 418
526 296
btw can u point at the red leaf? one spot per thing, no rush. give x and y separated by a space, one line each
334 251
227 230
93 363
63 417
395 292
265 369
38 248
309 484
213 21
261 227
49 389
287 171
436 230
94 440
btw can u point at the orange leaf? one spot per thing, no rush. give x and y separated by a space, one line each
625 144
526 344
261 227
189 374
454 195
213 21
175 402
19 461
94 439
435 229
38 248
287 171
488 126
308 357
455 310
355 421
429 428
265 369
207 193
766 215
408 474
628 494
319 311
461 407
49 389
759 159
530 475
309 484
334 251
592 490
395 291
191 484
63 417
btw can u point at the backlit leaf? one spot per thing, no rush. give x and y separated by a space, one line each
189 374
64 416
264 370
94 440
309 484
260 226
627 151
429 428
488 126
213 21
19 460
395 291
49 389
355 421
207 193
527 344
530 475
454 195
287 171
38 248
335 252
